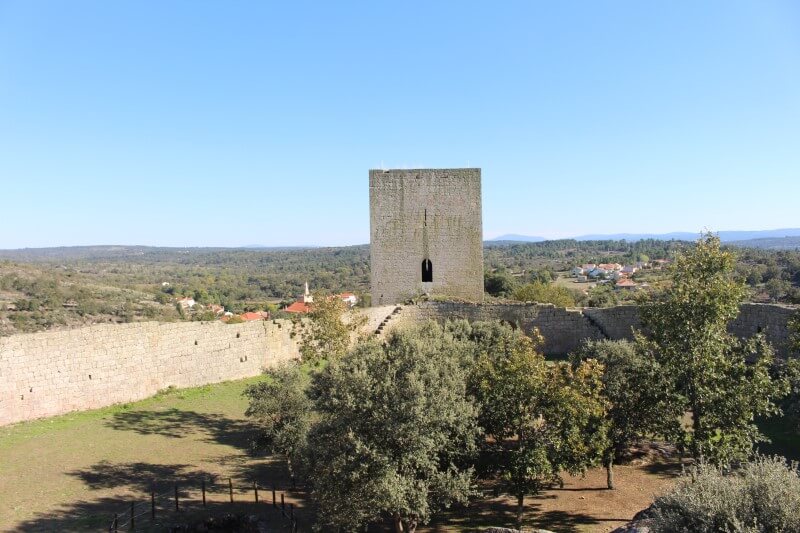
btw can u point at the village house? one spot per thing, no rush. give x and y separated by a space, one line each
216 309
255 315
302 303
660 263
187 302
597 272
297 307
349 298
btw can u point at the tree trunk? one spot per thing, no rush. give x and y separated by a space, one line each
610 471
520 508
398 524
411 525
696 453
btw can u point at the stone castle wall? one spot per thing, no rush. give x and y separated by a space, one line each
769 319
565 329
425 214
51 373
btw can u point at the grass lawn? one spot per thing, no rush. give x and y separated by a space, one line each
72 472
565 279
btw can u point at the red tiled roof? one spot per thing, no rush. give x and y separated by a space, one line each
346 295
626 283
251 316
297 307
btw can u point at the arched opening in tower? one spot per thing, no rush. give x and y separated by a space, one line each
427 271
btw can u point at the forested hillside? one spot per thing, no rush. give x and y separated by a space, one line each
63 287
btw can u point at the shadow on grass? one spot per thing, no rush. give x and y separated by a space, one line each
254 465
98 515
177 423
784 437
492 510
140 477
135 481
664 469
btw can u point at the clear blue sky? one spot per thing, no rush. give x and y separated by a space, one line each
234 123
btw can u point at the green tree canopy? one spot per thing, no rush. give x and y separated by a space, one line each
711 376
545 293
329 329
543 418
499 283
282 411
638 394
396 431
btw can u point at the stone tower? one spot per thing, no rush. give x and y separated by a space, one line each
426 235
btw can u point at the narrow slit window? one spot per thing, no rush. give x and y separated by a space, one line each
427 271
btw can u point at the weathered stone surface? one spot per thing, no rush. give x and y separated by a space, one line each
51 373
432 214
565 329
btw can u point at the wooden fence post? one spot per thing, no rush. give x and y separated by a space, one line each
255 490
230 488
114 525
283 506
133 517
274 502
176 497
203 484
153 501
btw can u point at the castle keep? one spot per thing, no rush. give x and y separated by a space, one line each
426 234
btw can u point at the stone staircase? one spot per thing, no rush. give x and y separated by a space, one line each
597 324
382 326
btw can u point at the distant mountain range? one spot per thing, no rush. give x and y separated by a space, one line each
778 243
733 237
774 239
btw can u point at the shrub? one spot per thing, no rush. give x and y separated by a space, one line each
544 293
761 496
282 411
499 283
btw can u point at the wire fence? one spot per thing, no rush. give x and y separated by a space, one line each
165 506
